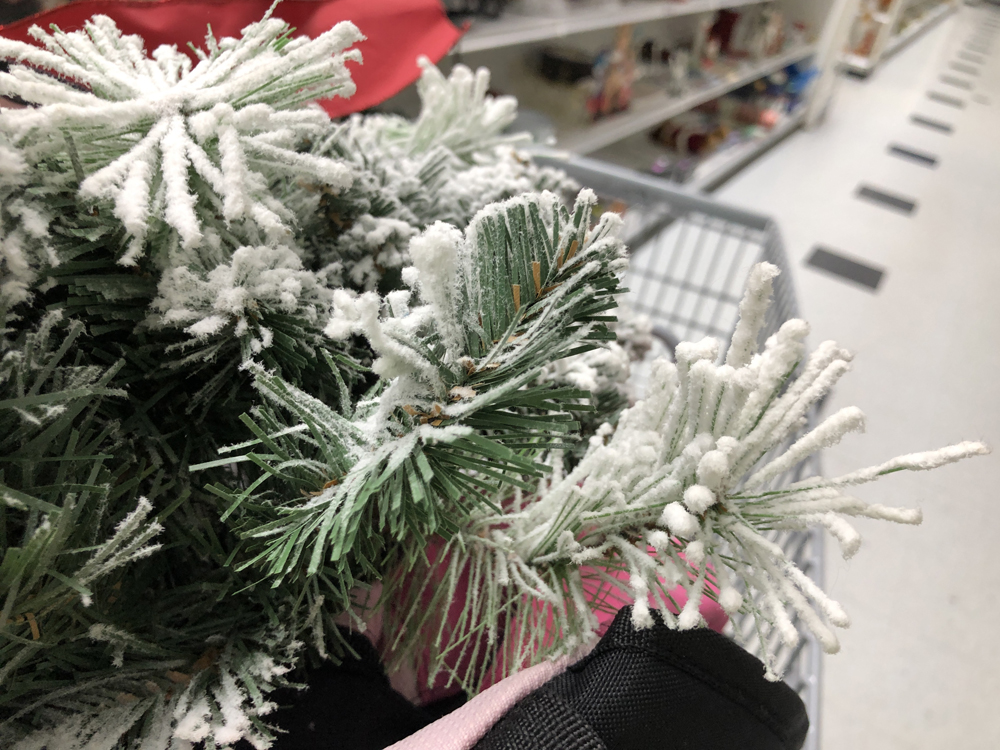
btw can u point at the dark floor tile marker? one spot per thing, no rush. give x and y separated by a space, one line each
980 99
886 200
834 263
968 56
957 82
951 101
920 157
927 122
963 68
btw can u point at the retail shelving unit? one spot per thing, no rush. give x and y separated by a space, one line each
688 275
901 37
495 43
638 153
896 27
721 166
512 29
648 111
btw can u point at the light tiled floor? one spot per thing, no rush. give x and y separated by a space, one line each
920 668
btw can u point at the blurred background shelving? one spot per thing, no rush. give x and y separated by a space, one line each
652 109
515 28
774 57
883 27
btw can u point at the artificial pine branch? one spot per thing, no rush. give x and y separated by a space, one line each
254 363
135 127
463 414
679 492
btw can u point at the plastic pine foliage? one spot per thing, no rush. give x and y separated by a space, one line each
254 363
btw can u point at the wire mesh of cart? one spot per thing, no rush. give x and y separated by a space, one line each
690 259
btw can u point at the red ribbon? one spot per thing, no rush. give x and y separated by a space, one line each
398 32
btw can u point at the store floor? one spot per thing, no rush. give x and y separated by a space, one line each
920 668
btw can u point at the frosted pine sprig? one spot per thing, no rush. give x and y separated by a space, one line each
222 704
236 292
448 165
680 492
142 129
457 113
452 367
24 230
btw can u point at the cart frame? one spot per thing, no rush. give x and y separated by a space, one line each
681 245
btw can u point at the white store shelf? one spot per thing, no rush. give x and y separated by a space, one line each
639 152
897 41
858 64
863 66
650 110
512 29
720 166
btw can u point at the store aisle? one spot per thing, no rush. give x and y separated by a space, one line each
920 668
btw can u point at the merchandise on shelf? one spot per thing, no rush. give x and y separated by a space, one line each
487 8
754 32
881 28
863 35
747 114
867 26
555 8
650 68
721 39
722 30
614 73
678 68
566 65
915 13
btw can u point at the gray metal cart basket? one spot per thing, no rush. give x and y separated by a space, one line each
690 257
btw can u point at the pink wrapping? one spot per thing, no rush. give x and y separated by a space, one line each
463 727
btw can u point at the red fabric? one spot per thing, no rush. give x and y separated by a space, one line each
398 32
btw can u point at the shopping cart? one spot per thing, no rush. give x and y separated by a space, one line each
690 257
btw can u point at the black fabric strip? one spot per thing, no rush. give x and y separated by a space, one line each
658 689
542 721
